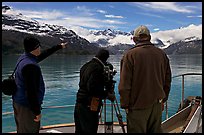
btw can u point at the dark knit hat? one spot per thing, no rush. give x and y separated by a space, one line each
103 55
31 43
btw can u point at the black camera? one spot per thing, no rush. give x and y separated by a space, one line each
109 73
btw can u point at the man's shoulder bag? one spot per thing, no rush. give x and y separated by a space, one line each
9 85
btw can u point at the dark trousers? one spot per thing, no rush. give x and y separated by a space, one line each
86 121
24 119
146 120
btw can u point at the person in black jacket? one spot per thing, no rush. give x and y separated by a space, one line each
90 94
30 86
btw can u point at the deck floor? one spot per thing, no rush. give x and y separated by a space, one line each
71 129
176 128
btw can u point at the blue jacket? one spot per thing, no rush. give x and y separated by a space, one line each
20 95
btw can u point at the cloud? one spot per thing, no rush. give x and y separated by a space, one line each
47 15
84 22
101 11
152 15
85 18
111 6
156 29
113 16
169 35
113 22
197 16
81 21
84 10
164 6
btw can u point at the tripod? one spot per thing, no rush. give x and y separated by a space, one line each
108 126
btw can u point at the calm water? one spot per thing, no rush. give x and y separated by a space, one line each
61 76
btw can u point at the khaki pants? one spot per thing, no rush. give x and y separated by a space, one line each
146 120
24 119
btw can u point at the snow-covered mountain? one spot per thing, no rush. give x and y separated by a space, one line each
162 38
121 41
183 47
12 20
80 38
185 34
15 24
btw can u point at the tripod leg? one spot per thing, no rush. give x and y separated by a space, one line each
100 114
104 115
119 116
112 116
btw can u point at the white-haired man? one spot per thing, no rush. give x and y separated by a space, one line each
145 79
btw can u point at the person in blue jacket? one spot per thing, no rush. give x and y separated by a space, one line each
29 96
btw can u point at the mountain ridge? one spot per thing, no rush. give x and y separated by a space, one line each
84 41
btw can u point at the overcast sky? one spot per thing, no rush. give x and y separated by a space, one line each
124 16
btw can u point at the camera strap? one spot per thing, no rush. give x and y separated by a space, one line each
99 61
17 66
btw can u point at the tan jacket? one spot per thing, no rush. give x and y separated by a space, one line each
145 76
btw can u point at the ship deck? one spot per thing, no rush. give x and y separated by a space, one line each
70 128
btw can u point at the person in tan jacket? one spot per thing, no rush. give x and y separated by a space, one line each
145 81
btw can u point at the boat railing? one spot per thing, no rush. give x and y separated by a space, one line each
166 104
62 106
182 89
45 107
50 107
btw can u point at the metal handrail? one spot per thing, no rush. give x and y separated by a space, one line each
63 106
182 94
182 90
187 74
48 107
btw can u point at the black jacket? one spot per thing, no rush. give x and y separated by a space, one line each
92 82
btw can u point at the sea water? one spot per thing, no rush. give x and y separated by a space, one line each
61 76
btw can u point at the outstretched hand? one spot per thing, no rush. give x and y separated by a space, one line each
63 45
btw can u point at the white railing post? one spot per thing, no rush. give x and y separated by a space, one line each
182 92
